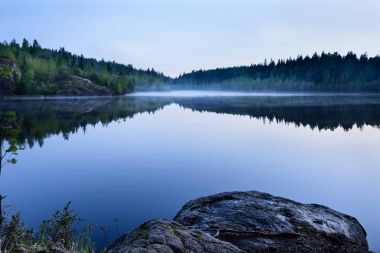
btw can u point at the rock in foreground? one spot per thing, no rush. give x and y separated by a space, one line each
255 221
248 222
169 237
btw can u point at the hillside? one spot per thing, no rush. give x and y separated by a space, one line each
29 69
324 72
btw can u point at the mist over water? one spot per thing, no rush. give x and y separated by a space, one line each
195 93
202 93
140 157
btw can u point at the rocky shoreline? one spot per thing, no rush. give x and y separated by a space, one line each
78 86
247 222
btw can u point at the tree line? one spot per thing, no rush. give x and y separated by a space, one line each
320 72
38 68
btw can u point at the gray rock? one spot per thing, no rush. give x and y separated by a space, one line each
78 86
9 75
163 236
259 222
247 222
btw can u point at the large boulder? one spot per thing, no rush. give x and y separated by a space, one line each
78 86
247 222
259 222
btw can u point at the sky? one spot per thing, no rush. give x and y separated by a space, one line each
176 36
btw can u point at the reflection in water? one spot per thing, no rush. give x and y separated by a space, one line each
139 157
41 118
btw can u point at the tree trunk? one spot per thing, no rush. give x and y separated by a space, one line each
1 216
1 196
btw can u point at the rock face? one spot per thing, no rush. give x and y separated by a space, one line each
255 221
78 86
162 236
9 74
248 222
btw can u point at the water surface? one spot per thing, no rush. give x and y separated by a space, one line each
141 157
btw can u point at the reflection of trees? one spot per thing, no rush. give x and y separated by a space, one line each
317 112
41 118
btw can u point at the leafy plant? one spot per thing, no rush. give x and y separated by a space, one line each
9 130
16 235
56 233
58 229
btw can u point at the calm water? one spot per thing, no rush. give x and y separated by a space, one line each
141 157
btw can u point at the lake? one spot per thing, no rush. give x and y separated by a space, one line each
124 160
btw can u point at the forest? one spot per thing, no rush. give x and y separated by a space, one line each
320 72
35 70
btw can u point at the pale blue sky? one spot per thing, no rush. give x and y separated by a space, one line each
175 36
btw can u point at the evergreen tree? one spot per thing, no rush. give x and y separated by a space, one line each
25 45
